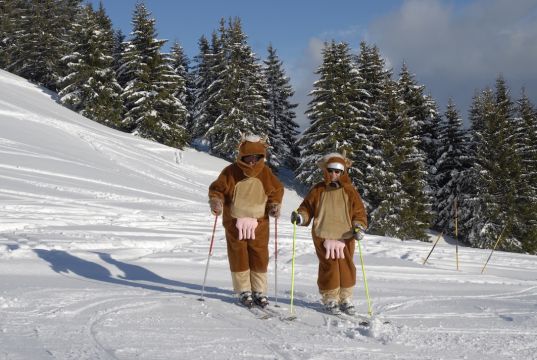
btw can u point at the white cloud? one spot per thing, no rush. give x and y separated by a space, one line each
303 77
455 50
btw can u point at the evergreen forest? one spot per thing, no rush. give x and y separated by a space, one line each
417 167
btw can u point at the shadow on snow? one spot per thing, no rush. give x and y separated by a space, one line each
135 276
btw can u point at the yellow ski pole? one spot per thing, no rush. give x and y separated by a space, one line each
291 310
369 311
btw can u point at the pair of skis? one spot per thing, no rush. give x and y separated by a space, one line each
265 313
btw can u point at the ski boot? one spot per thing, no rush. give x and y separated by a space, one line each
332 308
245 298
260 299
348 307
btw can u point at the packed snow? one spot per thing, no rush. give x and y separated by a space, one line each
104 240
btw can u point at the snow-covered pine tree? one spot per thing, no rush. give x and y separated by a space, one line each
498 168
370 165
335 113
153 111
450 167
421 112
90 86
242 96
283 135
42 40
208 84
526 147
12 12
387 216
202 82
180 64
471 202
117 53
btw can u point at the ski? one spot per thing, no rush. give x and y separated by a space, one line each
362 320
259 313
279 315
256 311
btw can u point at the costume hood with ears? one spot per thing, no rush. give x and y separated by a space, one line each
252 145
335 161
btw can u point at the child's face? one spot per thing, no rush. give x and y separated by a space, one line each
334 174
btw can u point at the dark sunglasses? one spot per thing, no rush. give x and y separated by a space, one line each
250 158
337 171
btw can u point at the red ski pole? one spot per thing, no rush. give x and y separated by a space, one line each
208 259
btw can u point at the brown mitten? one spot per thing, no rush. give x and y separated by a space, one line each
274 210
216 206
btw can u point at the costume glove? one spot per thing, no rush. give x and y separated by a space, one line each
334 249
274 210
296 218
216 206
359 232
246 227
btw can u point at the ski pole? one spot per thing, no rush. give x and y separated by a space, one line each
436 242
276 262
369 311
291 310
208 259
494 248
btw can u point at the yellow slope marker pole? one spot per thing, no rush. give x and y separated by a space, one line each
436 242
456 235
494 248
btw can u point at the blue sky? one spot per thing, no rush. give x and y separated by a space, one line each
454 47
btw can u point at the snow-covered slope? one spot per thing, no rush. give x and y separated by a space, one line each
104 240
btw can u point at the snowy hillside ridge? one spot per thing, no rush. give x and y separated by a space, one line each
104 239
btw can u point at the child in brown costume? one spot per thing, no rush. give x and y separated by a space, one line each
340 219
247 192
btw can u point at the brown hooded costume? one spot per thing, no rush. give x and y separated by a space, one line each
247 191
337 208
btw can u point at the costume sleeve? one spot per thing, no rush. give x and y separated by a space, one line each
275 195
308 206
358 210
221 186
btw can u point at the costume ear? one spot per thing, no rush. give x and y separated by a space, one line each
344 154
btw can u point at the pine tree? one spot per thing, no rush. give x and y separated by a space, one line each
335 112
421 112
120 46
283 136
498 168
12 12
37 49
208 84
242 97
90 87
450 167
526 148
153 111
471 198
180 65
386 215
370 165
202 82
410 217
